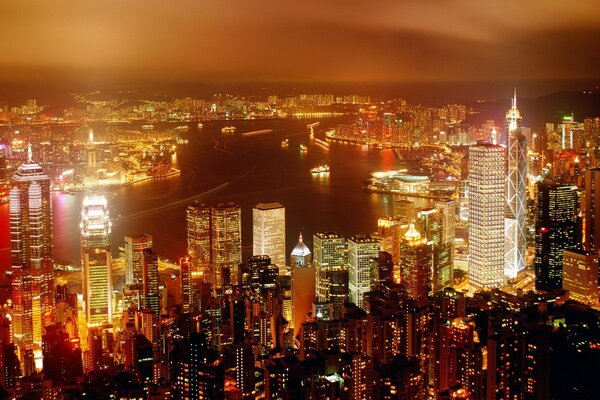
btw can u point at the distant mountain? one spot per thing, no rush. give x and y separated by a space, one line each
537 111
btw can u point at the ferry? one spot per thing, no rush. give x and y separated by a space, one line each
148 127
228 129
200 125
181 128
320 169
303 148
285 143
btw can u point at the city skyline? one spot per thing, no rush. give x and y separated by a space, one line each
283 201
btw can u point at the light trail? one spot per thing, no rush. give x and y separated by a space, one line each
256 133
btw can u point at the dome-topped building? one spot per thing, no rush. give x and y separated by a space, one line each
301 249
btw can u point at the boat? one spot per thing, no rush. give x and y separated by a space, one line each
148 127
320 169
200 125
303 147
228 129
181 128
285 143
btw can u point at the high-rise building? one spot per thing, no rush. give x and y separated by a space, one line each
331 271
96 260
516 196
555 231
580 275
303 283
591 217
134 257
487 189
30 209
62 356
415 264
150 281
268 232
198 237
361 251
226 243
431 223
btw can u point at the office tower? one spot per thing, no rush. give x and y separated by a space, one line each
30 209
303 283
555 231
256 265
382 271
96 260
487 188
9 362
580 275
361 252
150 281
431 222
516 206
268 232
591 209
513 119
198 237
388 233
404 210
187 297
331 271
226 242
415 264
134 257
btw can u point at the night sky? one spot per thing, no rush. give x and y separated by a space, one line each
302 41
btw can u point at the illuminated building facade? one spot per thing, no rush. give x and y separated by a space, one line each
134 257
268 228
414 264
487 189
555 231
516 195
150 281
198 237
592 209
431 222
30 209
226 243
96 260
361 252
303 283
331 271
580 275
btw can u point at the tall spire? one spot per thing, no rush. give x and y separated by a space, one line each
300 238
514 100
29 153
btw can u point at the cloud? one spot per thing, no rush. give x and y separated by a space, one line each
348 40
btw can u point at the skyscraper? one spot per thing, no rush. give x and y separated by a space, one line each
226 242
30 209
331 271
414 264
134 257
591 209
555 231
431 222
361 251
268 232
150 281
96 260
580 275
303 283
198 237
516 195
487 188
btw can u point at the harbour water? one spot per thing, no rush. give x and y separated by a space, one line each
244 169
